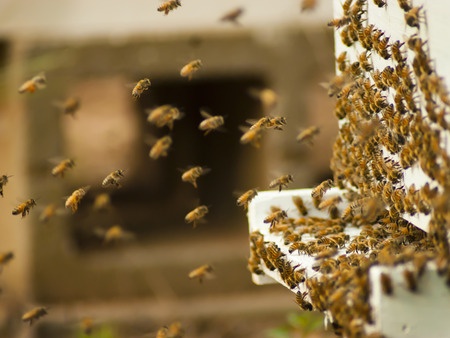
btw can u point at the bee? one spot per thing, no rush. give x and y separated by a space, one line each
281 182
24 208
308 5
115 234
275 217
189 69
386 284
308 135
70 106
410 279
332 201
246 198
233 15
339 22
204 271
3 181
300 205
175 330
210 123
34 314
266 96
74 199
252 136
412 17
113 178
60 169
87 325
48 212
161 147
168 6
196 215
163 332
140 87
164 116
5 258
102 202
318 192
300 300
37 82
192 174
405 5
380 3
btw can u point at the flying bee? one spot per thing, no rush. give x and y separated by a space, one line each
266 96
161 147
24 208
168 6
164 115
318 192
252 136
276 122
281 182
196 215
69 106
74 199
140 87
116 234
210 123
48 212
308 5
300 205
102 202
308 135
192 174
300 300
233 15
189 69
163 332
87 325
37 82
275 217
175 330
3 181
5 258
332 201
204 271
246 198
114 178
60 169
34 314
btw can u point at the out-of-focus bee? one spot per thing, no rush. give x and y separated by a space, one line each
5 257
405 5
300 205
161 147
275 217
48 212
140 87
412 17
24 208
268 122
74 199
246 198
410 279
114 178
196 215
3 181
318 192
210 122
281 182
252 136
380 3
102 202
204 271
164 115
192 174
266 96
300 300
163 332
331 204
87 325
34 314
189 69
233 15
60 169
37 82
308 135
70 106
115 234
386 284
308 5
168 6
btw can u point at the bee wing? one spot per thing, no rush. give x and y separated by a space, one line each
131 84
205 114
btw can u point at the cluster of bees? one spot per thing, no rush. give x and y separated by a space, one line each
392 120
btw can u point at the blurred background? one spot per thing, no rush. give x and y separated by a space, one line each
94 50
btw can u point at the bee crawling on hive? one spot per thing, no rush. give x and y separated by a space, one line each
24 208
210 122
75 198
281 182
246 197
114 178
37 82
197 215
35 314
3 180
202 272
168 6
189 69
302 302
140 87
